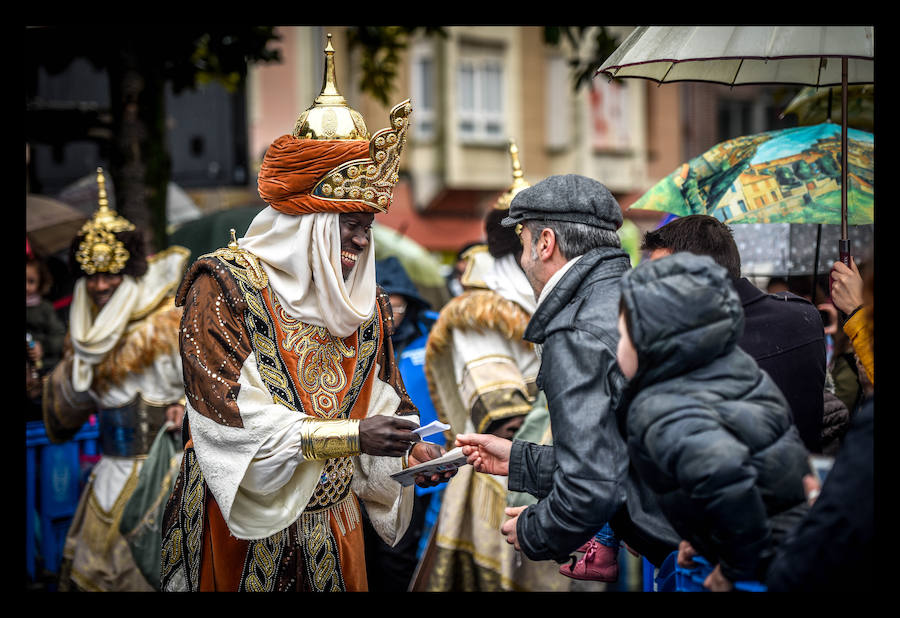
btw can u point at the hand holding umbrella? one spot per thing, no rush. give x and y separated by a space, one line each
846 287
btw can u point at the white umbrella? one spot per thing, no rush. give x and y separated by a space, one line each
739 55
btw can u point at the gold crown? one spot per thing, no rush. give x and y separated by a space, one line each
518 183
329 117
100 251
370 180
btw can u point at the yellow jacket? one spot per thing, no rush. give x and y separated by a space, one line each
859 329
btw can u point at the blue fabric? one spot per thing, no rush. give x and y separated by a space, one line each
607 537
412 369
665 576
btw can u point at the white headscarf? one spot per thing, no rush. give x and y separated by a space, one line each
301 255
507 279
92 337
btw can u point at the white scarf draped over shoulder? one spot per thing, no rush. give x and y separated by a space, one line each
301 255
94 336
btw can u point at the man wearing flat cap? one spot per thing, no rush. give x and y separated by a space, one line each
574 261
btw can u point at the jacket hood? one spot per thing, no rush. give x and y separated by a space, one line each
393 278
684 312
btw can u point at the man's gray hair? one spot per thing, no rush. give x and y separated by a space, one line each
574 239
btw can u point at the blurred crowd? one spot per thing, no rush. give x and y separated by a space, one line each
287 413
718 393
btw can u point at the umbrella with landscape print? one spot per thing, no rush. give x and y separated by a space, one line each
789 176
784 176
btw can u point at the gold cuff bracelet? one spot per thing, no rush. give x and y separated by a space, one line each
327 438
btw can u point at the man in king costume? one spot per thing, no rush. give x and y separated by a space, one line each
121 362
295 407
482 374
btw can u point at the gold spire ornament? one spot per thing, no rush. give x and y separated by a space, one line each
518 183
100 251
369 180
329 117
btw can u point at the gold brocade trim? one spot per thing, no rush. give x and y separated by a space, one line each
333 485
263 558
320 548
346 514
320 355
505 412
255 273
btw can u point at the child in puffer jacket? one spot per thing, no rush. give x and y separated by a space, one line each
707 430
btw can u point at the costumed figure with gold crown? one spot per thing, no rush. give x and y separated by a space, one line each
120 362
482 378
295 407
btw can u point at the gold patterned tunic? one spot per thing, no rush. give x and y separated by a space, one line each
253 376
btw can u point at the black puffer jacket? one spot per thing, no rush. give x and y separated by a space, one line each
708 431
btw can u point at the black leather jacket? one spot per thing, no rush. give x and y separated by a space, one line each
583 479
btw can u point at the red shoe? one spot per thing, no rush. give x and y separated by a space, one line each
600 563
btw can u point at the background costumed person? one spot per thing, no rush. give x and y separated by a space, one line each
121 362
482 377
295 408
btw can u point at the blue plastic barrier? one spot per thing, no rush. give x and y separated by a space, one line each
662 580
691 580
54 479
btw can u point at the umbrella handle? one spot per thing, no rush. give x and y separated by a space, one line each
844 251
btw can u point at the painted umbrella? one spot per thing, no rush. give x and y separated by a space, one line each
784 176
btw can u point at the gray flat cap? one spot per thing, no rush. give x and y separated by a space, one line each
569 197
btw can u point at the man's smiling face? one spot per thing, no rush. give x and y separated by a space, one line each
101 286
355 235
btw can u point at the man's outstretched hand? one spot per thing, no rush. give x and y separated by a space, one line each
487 453
426 451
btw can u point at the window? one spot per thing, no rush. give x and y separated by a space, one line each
742 205
611 104
424 79
480 95
558 91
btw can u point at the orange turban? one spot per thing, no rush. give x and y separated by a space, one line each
293 166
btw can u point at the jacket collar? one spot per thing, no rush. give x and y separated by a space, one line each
583 273
747 292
